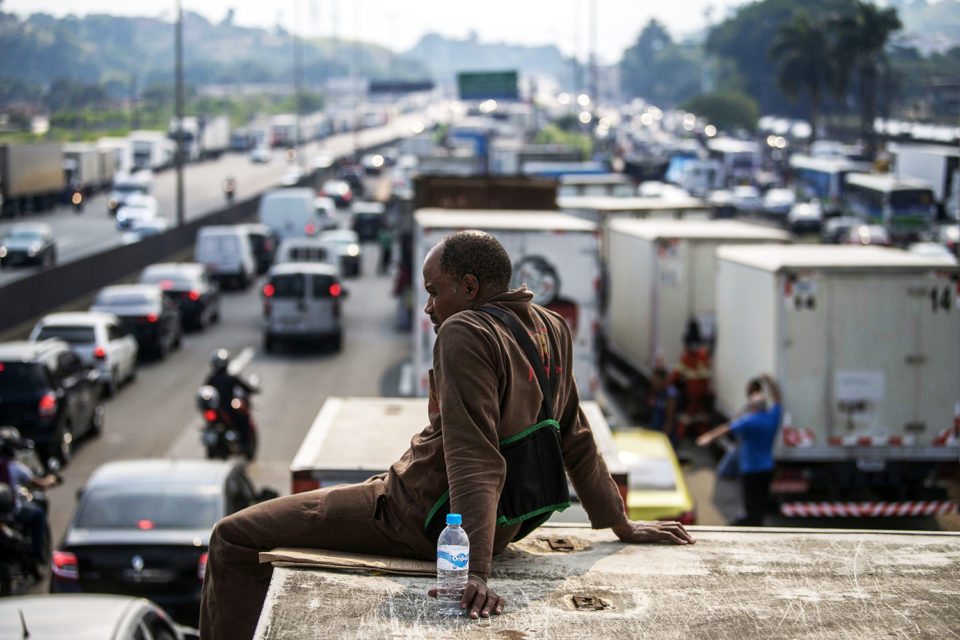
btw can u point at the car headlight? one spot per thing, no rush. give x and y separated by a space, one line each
353 250
113 204
32 251
3 252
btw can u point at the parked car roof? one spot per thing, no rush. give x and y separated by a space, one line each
149 470
303 267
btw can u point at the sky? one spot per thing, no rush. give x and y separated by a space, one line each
398 24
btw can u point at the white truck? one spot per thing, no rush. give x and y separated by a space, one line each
602 209
151 150
660 276
554 254
122 151
571 582
865 345
81 166
938 165
203 138
352 439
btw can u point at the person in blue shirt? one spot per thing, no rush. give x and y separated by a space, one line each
662 404
756 429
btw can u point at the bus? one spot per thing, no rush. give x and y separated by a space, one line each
739 159
904 206
823 179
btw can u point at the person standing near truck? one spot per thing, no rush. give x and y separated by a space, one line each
756 431
485 393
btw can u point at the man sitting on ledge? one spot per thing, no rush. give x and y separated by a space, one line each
504 424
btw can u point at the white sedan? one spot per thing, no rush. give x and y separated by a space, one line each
98 339
137 209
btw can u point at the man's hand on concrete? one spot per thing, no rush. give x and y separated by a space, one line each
674 532
479 598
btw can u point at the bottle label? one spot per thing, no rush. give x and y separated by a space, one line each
453 558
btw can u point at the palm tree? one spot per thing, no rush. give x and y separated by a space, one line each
801 51
861 39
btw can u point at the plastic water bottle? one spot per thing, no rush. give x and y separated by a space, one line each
453 564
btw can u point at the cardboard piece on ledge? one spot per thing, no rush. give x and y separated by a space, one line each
328 559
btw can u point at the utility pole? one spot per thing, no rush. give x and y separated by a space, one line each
594 94
178 89
297 83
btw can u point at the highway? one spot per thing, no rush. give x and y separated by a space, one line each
94 230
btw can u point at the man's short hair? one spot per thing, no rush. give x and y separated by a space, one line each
478 253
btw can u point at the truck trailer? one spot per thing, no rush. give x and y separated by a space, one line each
81 166
865 345
573 583
938 165
554 254
31 177
151 150
660 277
352 439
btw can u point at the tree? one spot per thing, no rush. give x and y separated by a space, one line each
726 111
803 54
862 37
658 70
743 41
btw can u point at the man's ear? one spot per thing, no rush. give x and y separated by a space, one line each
470 285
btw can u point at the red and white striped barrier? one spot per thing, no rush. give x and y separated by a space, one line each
866 509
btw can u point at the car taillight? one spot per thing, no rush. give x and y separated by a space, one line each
335 290
210 415
268 245
310 228
99 353
64 566
194 295
47 406
151 317
202 566
268 290
299 486
166 285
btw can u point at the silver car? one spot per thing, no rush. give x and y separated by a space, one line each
302 302
99 339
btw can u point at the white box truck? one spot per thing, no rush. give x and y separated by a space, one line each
352 439
554 254
81 166
939 165
151 150
865 344
659 277
564 582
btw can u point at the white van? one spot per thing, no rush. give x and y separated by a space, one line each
302 302
308 250
290 212
226 253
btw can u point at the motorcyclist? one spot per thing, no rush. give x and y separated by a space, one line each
17 474
225 383
229 188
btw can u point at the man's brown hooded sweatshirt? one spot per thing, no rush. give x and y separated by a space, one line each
483 390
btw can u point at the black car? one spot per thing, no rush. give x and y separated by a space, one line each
28 243
49 394
263 242
152 318
367 219
189 285
142 528
353 175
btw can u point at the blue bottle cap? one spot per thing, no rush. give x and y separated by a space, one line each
454 518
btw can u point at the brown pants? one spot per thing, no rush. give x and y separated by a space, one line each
344 517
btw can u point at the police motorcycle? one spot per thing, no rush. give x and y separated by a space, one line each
219 434
18 568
